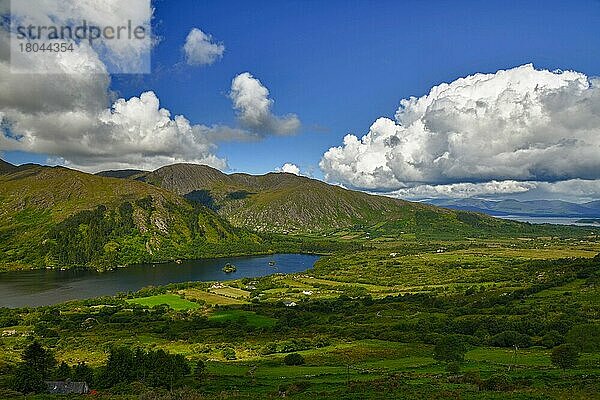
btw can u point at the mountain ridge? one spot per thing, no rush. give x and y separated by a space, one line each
123 173
6 167
245 198
291 204
55 216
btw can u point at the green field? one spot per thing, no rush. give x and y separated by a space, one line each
366 324
232 292
252 319
173 301
209 298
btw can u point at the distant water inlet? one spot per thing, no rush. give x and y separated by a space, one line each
46 287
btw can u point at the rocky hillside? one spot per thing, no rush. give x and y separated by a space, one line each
287 203
60 217
6 167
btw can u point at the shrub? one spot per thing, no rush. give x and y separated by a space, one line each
229 353
510 339
294 388
200 370
453 367
498 382
565 356
63 372
585 337
472 377
552 339
269 348
450 348
83 373
293 359
28 380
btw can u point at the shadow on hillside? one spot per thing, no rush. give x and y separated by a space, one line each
239 195
203 197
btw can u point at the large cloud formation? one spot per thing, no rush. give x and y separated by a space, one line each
74 118
72 115
519 125
251 99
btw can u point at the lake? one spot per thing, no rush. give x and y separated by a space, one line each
46 287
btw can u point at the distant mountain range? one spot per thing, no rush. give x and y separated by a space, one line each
287 203
55 216
291 204
531 208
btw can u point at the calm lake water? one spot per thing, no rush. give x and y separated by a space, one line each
45 287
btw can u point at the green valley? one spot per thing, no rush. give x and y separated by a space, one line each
299 199
407 301
367 325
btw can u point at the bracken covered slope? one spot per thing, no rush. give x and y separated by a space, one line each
286 203
6 167
61 217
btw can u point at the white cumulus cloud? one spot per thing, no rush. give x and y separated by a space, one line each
289 168
201 49
251 100
73 117
132 133
520 124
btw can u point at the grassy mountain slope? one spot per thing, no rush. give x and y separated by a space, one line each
272 202
6 167
287 203
60 217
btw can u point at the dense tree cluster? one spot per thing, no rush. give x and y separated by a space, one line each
124 365
37 366
155 368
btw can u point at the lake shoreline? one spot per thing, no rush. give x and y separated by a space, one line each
42 287
117 267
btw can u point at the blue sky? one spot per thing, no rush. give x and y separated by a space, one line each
340 65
